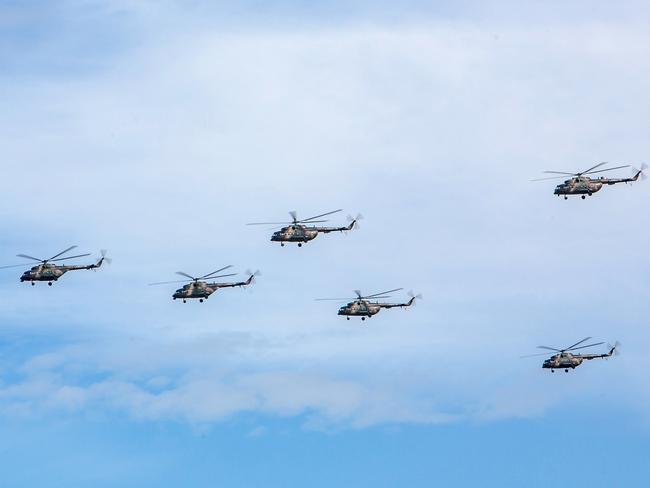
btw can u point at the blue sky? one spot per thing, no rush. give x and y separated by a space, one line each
157 129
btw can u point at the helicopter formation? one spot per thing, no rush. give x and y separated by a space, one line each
201 288
301 231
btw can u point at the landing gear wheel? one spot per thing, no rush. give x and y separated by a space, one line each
184 301
347 318
282 244
33 284
565 197
49 283
200 300
363 318
300 244
566 370
583 197
552 371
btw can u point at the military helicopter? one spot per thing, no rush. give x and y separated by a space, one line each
300 230
198 288
364 306
46 271
583 185
566 359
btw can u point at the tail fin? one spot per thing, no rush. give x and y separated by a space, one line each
640 172
413 298
252 275
101 260
354 221
614 349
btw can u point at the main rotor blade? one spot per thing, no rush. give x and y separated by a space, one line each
15 266
221 276
29 257
582 347
335 299
321 215
270 223
592 168
577 343
560 173
186 275
608 169
534 355
70 257
215 272
374 295
294 216
549 348
167 282
62 252
549 178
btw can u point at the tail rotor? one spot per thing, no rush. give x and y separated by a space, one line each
354 221
615 348
414 297
639 173
103 259
253 274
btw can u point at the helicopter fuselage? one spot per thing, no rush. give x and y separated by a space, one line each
580 186
563 361
360 308
194 290
44 272
295 233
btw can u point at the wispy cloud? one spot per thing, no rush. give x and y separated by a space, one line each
431 128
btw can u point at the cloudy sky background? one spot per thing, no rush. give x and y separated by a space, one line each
158 129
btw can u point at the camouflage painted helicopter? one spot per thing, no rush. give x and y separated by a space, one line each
364 306
47 271
300 230
198 288
565 359
583 185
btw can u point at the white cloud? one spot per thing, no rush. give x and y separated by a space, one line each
430 129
